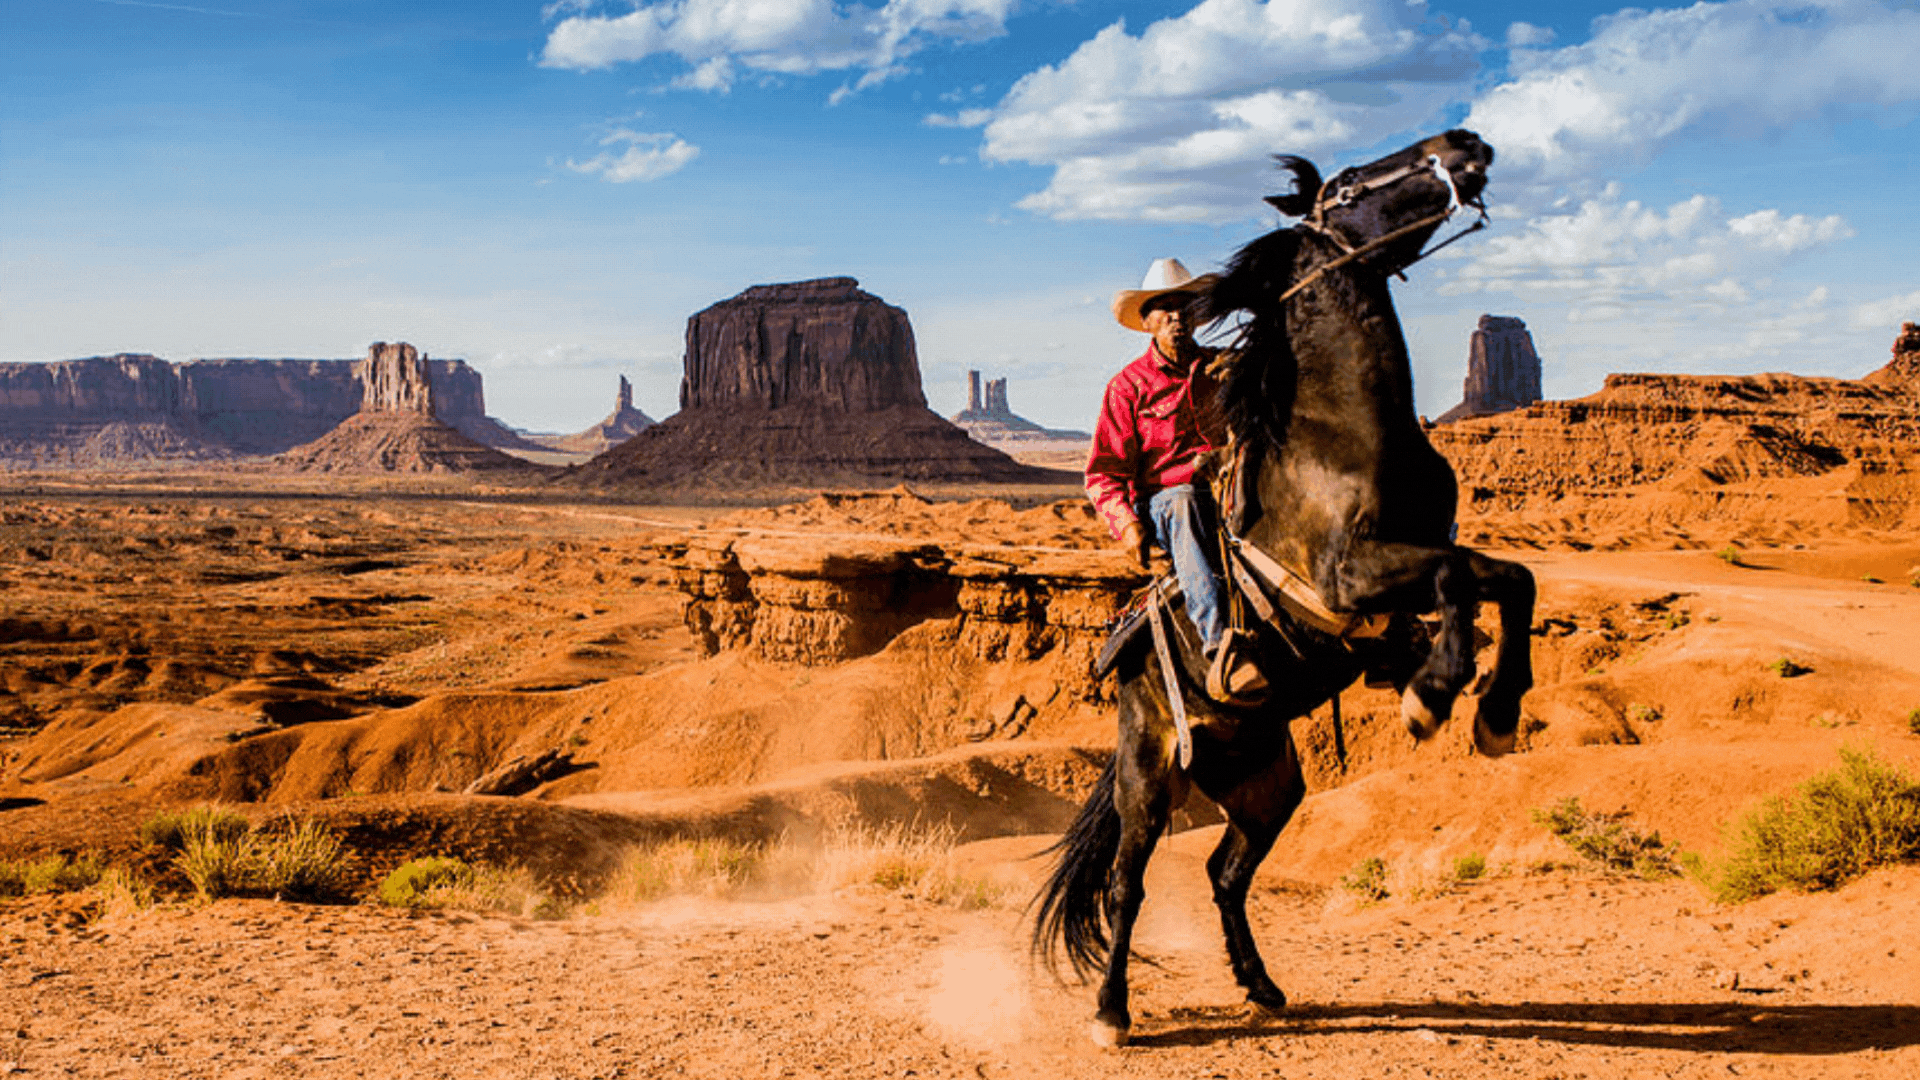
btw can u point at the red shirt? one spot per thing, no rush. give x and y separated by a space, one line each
1153 423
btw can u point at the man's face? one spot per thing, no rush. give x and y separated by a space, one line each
1167 321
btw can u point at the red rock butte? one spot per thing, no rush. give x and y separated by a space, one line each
803 384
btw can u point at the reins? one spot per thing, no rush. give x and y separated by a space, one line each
1317 222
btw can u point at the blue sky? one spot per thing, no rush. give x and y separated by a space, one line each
549 191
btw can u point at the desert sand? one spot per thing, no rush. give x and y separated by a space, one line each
359 652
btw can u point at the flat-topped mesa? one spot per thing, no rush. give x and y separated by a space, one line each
824 343
1503 370
800 385
395 378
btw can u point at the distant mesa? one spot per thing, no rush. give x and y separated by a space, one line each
989 419
133 406
1904 369
1503 371
624 423
802 384
396 429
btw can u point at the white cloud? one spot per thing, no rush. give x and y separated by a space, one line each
714 76
1526 36
1608 252
1645 77
965 118
1177 123
648 156
789 37
1887 314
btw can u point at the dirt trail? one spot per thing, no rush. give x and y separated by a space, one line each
1486 982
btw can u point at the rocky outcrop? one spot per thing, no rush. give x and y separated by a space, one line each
396 429
1903 371
622 424
788 599
1693 459
799 385
989 419
1503 371
135 406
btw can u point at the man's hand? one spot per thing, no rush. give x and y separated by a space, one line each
1133 540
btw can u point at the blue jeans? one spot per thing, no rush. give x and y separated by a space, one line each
1181 523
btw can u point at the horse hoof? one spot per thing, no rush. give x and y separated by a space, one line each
1419 719
1107 1036
1490 744
1265 1007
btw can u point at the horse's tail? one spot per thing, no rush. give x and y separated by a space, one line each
1075 900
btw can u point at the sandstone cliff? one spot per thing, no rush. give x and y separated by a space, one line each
1694 460
1503 370
989 419
134 406
804 384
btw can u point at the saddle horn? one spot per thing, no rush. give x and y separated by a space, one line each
1306 186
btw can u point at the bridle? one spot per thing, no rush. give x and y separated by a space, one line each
1347 193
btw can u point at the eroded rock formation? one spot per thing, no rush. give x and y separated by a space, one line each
134 406
1503 370
622 424
396 429
1904 369
803 384
989 419
1695 459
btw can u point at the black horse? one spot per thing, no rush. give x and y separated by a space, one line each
1347 492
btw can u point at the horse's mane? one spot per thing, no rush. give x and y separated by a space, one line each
1257 388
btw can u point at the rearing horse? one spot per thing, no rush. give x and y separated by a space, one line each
1346 493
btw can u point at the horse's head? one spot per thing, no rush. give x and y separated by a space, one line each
1393 204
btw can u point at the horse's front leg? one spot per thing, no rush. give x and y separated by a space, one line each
1144 788
1510 585
1377 577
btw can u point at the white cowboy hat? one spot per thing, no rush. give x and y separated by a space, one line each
1163 277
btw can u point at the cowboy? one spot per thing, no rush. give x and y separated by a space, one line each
1157 418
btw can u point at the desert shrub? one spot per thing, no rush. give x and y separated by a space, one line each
1832 828
122 890
1607 841
49 874
1787 668
300 860
1367 879
1729 555
171 829
1643 714
1913 721
1470 866
904 857
697 867
415 883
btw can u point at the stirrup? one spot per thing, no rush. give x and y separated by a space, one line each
1233 676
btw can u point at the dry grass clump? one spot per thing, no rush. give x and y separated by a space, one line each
1470 867
1367 880
1607 841
1831 829
704 866
222 856
908 858
441 882
50 874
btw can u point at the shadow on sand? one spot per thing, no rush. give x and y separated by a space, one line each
1707 1027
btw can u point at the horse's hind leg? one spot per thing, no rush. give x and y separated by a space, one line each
1256 812
1510 585
1143 793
